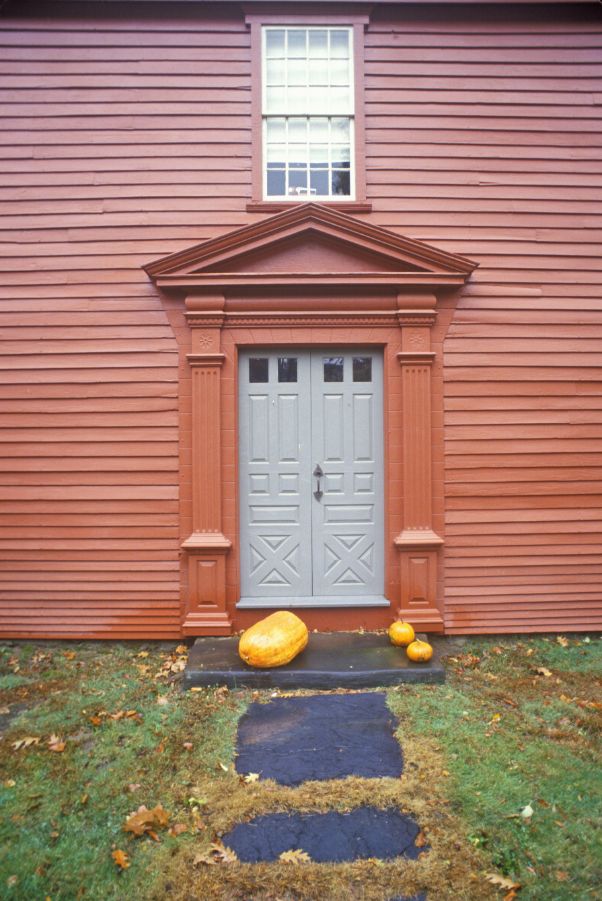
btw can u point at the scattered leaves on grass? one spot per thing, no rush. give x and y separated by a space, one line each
29 742
297 856
502 882
56 744
145 820
218 853
121 859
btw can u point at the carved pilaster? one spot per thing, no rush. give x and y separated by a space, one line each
206 546
417 542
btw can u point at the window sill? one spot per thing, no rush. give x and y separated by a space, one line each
278 206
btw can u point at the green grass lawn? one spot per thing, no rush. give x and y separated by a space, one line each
91 731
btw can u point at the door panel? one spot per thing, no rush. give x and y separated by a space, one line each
347 522
274 469
298 410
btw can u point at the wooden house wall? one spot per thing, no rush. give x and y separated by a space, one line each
126 135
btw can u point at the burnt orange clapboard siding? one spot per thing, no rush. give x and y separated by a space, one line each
112 152
485 138
126 136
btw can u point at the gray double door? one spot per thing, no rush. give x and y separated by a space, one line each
311 477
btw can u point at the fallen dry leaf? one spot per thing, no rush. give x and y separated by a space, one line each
162 700
421 840
502 882
9 783
543 671
144 820
142 654
562 641
188 746
95 720
217 853
133 786
69 655
296 857
56 744
223 767
4 711
121 859
23 743
561 875
251 777
178 829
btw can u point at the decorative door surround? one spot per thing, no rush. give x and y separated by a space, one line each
309 276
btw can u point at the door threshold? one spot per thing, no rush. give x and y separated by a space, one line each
293 603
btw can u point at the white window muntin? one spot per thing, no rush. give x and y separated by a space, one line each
332 106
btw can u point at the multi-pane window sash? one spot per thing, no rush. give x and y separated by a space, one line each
308 113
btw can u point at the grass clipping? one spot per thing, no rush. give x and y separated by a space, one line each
450 868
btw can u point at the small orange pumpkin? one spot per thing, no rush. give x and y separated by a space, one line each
401 634
419 651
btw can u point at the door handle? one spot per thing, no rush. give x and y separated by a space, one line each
318 475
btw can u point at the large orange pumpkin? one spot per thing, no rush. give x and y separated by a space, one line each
419 651
401 634
274 641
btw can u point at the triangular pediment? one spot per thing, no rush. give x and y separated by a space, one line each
310 243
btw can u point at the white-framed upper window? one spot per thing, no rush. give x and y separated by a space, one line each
308 113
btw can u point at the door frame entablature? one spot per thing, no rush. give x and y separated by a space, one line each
393 310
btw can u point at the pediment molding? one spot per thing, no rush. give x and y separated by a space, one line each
339 250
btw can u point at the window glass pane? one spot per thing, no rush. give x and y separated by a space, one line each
275 71
338 100
297 181
318 153
297 39
341 183
296 71
318 72
276 155
339 72
340 130
287 369
276 183
318 100
340 157
258 369
362 369
333 369
297 129
275 100
274 42
319 182
276 130
297 155
339 43
318 44
297 100
318 129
